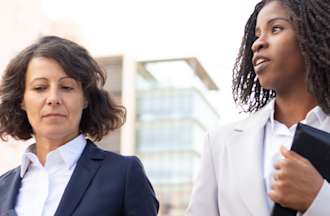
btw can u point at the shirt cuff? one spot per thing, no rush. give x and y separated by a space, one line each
320 205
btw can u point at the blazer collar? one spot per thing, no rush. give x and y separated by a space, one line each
87 166
9 190
246 153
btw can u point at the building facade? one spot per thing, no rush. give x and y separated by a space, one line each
171 115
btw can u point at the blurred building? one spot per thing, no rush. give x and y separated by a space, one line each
169 114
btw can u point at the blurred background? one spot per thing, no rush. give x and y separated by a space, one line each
168 62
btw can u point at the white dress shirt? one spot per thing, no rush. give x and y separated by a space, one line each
277 134
43 186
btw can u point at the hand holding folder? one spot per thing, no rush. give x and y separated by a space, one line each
314 145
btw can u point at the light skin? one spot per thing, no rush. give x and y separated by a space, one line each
54 103
279 65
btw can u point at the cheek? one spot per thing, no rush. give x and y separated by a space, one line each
289 49
289 58
32 107
33 117
294 59
76 108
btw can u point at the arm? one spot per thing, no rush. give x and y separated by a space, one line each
140 198
204 199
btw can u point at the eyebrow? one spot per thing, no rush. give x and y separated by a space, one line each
278 18
44 78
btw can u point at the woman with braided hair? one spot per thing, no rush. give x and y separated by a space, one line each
282 77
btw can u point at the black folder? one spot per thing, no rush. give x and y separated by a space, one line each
314 145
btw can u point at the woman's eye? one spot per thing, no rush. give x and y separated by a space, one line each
276 29
39 88
67 88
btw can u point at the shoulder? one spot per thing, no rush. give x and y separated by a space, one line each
116 161
226 130
126 163
9 175
128 176
256 119
118 158
128 169
218 136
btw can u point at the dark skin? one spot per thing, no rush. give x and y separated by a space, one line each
293 106
279 65
296 182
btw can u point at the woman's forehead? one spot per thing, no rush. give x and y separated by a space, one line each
46 68
272 10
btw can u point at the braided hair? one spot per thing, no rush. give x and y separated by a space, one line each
311 21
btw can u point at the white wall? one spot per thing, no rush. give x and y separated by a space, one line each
21 23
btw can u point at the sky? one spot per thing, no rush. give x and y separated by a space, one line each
210 30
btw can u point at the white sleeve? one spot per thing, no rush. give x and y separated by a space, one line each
321 204
204 199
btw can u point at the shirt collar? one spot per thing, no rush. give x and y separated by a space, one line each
27 159
271 106
69 153
314 117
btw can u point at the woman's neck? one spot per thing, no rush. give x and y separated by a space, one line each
46 145
292 108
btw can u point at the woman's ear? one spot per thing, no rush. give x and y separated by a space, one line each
22 106
85 104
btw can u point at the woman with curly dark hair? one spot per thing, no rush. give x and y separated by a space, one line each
52 91
282 77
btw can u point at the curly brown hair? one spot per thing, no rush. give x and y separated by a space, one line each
100 117
311 20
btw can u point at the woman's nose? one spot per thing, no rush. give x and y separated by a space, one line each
259 43
54 98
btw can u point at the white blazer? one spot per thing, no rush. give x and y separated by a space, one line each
230 181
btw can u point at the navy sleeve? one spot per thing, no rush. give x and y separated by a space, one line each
140 198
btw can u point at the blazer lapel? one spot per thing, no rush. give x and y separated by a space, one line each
9 191
87 167
246 151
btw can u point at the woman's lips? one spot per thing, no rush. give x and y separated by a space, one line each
260 62
258 68
54 115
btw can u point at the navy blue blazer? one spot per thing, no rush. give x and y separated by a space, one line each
102 184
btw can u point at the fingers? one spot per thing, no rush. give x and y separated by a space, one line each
290 155
278 193
285 152
295 181
281 187
273 196
279 175
283 163
289 161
